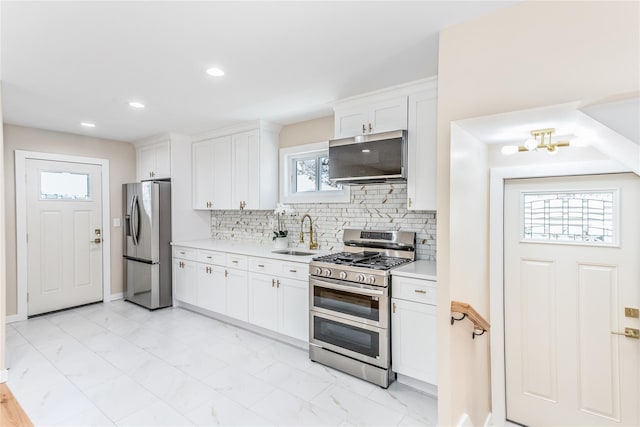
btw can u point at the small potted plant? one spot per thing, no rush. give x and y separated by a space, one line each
280 234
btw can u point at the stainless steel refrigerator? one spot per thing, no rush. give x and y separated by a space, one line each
147 249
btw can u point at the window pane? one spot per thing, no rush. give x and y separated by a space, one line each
305 175
64 185
325 184
570 217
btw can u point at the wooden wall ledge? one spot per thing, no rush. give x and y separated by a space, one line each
479 322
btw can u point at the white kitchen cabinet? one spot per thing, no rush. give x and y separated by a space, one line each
370 117
154 161
212 174
422 142
293 308
211 288
413 329
279 301
238 170
184 280
263 301
237 287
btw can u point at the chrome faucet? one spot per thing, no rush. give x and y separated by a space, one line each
312 244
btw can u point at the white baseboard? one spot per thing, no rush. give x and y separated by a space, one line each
14 318
430 389
489 421
117 296
464 421
4 376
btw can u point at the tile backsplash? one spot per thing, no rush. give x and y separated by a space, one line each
373 207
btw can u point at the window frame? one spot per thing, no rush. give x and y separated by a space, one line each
288 157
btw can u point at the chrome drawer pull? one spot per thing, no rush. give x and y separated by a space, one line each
261 265
293 271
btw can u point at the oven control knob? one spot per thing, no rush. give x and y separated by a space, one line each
327 272
343 275
371 279
318 271
361 278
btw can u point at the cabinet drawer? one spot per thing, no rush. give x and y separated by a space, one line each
212 257
185 253
417 290
237 261
264 265
294 270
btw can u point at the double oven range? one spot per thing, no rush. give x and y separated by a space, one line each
350 300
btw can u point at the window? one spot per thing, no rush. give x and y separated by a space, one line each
312 174
570 217
64 186
305 176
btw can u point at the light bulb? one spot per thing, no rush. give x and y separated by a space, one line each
508 150
531 144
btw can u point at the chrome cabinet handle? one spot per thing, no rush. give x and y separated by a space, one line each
261 265
293 271
234 261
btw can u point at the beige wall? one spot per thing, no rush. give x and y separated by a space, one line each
122 168
315 130
532 54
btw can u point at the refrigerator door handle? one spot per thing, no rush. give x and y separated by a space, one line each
135 220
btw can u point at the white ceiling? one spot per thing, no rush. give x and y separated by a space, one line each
68 62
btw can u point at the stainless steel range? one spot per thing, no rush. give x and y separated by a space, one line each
349 303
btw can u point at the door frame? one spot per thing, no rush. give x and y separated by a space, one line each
21 223
496 260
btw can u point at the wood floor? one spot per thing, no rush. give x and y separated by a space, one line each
11 414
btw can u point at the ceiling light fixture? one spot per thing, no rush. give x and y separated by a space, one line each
88 125
532 144
215 72
137 105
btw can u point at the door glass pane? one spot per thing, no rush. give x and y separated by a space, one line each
64 185
352 338
362 306
569 217
305 175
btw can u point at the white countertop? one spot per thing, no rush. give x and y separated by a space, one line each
420 269
250 249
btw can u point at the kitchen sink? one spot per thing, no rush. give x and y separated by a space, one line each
291 252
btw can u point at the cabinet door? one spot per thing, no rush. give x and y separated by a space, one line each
293 303
202 174
211 288
222 168
350 122
421 173
263 301
246 170
388 115
146 162
185 280
413 340
162 155
237 294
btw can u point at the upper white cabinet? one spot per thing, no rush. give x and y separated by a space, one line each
411 106
421 152
363 116
154 161
236 170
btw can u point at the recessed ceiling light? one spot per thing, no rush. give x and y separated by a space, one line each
88 125
215 72
136 104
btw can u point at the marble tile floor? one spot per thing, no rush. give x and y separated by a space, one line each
120 364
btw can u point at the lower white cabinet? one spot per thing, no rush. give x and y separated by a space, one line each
237 294
269 293
413 329
184 280
279 304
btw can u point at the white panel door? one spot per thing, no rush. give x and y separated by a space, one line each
211 288
246 170
64 235
202 174
237 294
222 168
571 268
184 280
263 301
388 115
421 152
293 308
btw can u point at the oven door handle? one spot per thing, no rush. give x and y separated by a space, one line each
346 288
